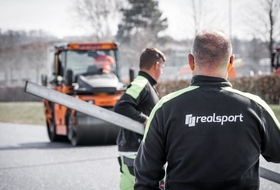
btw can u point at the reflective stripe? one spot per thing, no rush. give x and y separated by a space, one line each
137 85
164 100
127 153
258 100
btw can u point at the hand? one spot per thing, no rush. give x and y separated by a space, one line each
145 122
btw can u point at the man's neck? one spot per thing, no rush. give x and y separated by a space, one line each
210 73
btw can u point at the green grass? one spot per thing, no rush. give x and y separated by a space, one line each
33 112
276 109
23 112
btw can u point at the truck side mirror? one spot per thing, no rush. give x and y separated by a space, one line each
69 77
131 75
44 80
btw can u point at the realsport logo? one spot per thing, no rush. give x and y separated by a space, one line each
192 120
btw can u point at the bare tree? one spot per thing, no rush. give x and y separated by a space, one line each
202 15
8 55
197 15
266 22
20 53
140 40
99 15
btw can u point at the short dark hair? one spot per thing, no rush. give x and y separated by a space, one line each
149 56
212 48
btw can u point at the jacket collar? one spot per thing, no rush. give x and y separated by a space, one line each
147 76
200 80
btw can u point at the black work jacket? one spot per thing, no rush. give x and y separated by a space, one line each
211 137
136 103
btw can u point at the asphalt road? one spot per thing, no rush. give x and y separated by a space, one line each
29 161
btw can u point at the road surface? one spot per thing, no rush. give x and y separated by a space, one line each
29 161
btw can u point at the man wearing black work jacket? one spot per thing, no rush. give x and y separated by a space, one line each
137 103
210 135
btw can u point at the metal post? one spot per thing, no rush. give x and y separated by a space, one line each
84 107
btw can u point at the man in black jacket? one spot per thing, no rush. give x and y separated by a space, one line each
137 103
210 135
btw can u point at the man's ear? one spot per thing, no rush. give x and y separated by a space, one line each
191 61
156 66
231 62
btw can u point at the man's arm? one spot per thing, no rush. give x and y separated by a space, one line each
271 137
127 107
151 156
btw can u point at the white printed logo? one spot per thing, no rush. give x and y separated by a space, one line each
192 120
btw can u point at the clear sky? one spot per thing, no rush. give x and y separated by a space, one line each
56 16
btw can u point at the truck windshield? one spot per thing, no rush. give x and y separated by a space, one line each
90 62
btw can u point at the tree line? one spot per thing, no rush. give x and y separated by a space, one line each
141 24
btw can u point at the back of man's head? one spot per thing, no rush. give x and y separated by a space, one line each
212 50
149 57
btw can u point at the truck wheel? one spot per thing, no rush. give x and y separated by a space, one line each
72 132
52 131
51 128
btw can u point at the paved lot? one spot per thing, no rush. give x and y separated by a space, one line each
28 161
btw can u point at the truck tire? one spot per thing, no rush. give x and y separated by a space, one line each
51 129
72 132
